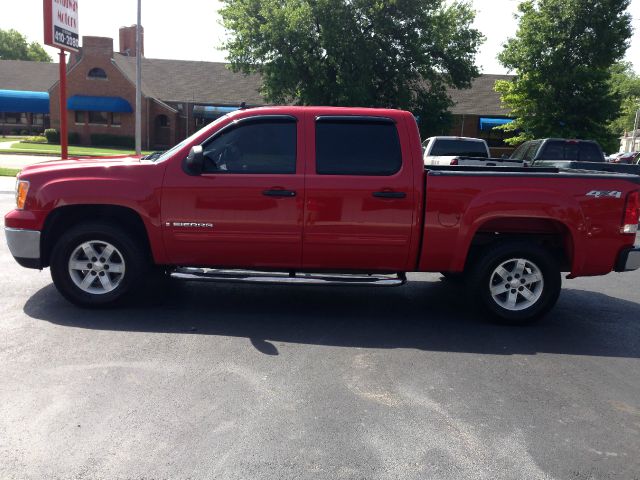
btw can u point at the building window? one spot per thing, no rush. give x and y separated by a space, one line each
163 121
38 119
81 117
116 121
98 118
97 73
201 122
15 118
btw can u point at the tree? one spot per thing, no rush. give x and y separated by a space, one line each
14 46
562 56
625 83
392 53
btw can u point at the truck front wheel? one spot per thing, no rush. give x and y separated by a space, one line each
96 264
516 282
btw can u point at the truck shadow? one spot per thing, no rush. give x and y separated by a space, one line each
432 316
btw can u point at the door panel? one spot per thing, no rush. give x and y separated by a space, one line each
231 217
352 221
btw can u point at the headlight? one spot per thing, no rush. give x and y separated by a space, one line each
22 187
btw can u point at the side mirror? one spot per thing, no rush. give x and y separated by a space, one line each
194 163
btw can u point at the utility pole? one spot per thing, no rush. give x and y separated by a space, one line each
64 152
635 131
138 83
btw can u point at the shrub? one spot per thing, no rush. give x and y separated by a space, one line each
52 135
73 138
108 140
36 139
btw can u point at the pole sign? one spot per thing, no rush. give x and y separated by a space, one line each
61 24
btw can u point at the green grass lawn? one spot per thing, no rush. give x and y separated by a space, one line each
45 148
8 172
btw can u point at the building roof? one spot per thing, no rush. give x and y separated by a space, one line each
26 75
213 82
480 99
192 81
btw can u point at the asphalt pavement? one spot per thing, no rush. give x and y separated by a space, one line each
273 382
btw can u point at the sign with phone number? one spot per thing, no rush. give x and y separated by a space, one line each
61 24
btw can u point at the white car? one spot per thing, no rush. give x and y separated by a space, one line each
464 151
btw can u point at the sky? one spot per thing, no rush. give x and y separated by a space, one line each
190 29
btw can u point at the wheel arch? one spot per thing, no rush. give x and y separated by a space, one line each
64 217
552 234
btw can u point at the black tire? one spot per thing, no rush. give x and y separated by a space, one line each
135 258
454 277
483 274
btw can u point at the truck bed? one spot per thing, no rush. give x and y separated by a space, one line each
593 166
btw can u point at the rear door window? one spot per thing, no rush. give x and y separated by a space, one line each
357 146
445 147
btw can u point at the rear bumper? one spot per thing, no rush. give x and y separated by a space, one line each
24 245
628 260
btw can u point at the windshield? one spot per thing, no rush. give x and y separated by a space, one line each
184 142
462 148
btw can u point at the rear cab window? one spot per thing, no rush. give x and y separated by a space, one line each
445 147
571 150
589 152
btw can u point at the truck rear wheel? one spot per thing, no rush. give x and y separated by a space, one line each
516 282
96 264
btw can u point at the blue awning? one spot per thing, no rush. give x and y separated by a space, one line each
490 123
206 111
19 101
98 104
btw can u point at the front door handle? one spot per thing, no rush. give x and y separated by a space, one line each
389 194
279 193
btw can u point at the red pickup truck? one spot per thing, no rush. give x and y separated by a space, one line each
320 195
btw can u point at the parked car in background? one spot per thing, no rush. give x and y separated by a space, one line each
626 157
568 154
460 151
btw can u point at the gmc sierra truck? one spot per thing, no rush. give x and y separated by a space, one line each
320 195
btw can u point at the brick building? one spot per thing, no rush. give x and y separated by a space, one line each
478 110
24 101
178 97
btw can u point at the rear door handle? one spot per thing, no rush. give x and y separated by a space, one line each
389 194
279 193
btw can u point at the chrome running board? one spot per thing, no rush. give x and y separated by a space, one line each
250 276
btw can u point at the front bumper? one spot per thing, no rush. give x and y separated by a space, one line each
628 260
24 245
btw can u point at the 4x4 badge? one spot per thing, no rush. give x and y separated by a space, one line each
604 193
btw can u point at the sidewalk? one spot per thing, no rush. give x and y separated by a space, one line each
10 160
